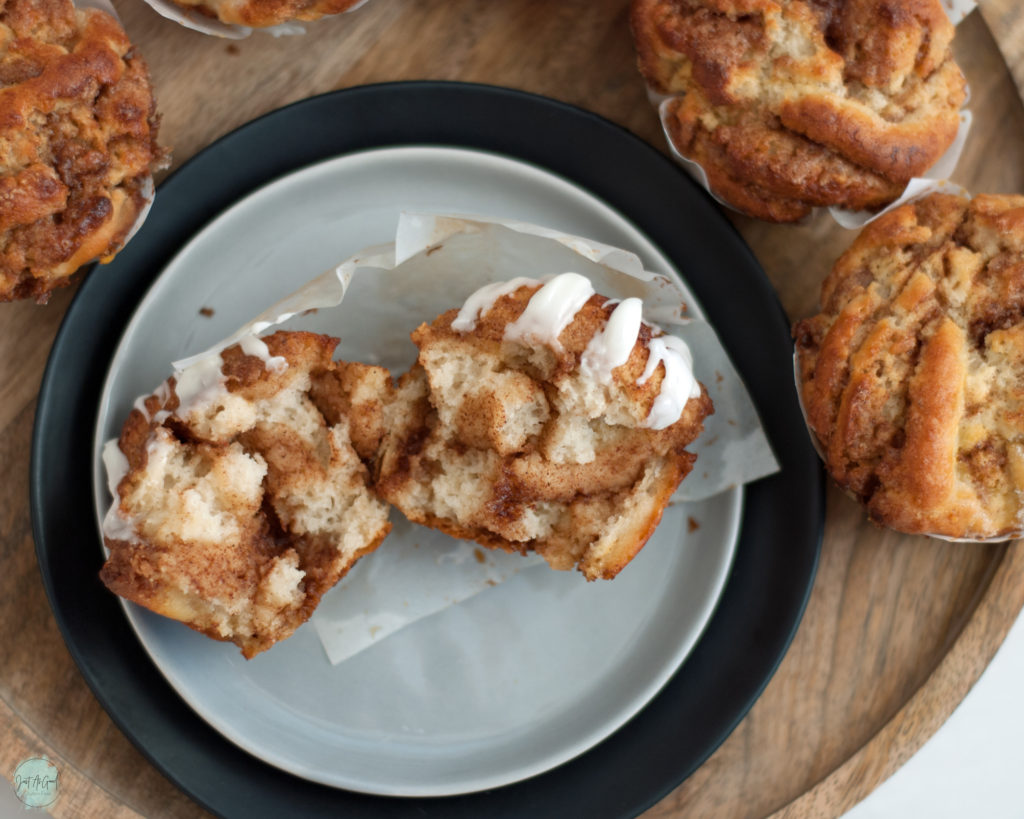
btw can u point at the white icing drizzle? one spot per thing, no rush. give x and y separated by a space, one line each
202 380
163 395
553 307
611 346
116 463
251 345
115 525
198 381
480 302
677 387
550 310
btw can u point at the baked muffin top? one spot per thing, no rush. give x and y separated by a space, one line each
912 375
791 104
263 13
77 142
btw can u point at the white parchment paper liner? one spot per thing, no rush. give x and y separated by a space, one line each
435 262
956 10
935 179
195 20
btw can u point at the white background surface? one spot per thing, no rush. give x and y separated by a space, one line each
974 765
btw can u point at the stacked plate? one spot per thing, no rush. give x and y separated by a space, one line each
545 695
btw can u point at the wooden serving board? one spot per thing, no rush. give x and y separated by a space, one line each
897 628
1005 19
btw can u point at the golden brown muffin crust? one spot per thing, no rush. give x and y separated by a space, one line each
77 142
912 376
791 104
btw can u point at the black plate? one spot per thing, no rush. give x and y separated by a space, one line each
782 519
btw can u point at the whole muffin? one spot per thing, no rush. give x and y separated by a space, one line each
525 434
78 143
263 13
912 375
792 104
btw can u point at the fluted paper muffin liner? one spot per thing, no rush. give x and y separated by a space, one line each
204 24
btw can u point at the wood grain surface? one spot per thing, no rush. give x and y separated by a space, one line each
897 628
1005 19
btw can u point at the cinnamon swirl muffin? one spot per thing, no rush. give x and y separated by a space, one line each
77 142
792 104
543 418
239 498
912 375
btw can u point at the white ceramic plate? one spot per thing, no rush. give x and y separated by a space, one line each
502 687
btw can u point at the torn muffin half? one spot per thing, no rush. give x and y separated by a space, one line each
543 418
240 496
